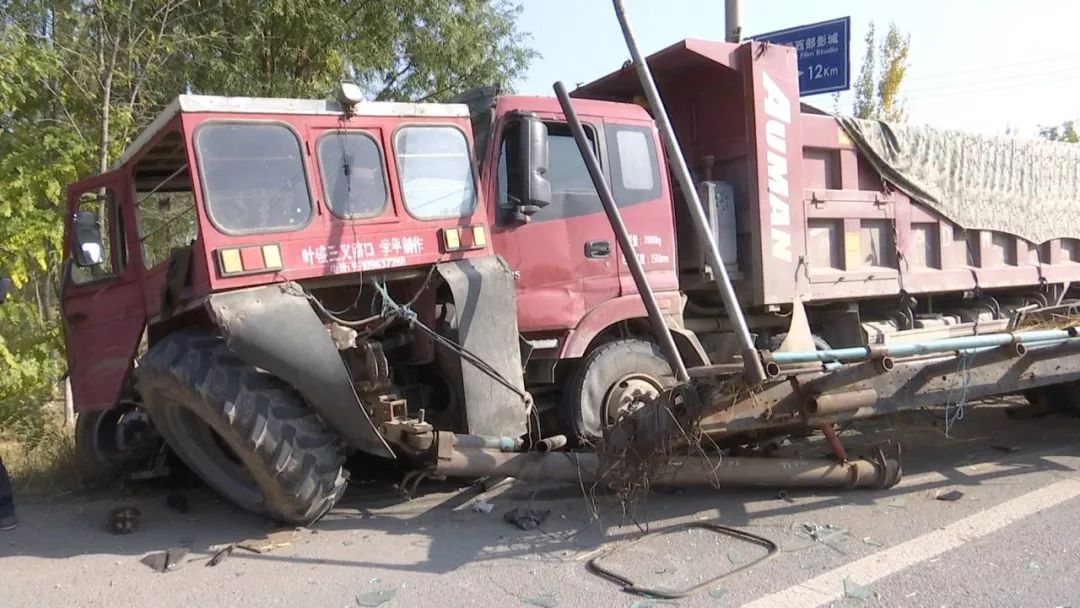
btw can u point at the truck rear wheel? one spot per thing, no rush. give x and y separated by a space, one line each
612 379
245 432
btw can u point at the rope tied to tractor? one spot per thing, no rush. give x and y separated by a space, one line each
391 309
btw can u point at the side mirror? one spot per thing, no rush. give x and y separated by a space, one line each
89 249
5 287
534 189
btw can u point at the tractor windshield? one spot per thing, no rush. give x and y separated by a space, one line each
436 172
253 177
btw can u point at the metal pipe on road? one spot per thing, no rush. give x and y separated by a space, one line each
689 470
753 370
656 317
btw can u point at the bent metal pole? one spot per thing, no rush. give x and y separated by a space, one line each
656 318
581 467
753 368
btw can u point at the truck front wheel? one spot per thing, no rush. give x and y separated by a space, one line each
245 432
612 380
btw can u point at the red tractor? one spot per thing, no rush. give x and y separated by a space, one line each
276 283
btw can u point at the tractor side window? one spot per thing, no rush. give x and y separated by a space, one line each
635 175
353 179
436 172
102 204
164 201
572 190
253 177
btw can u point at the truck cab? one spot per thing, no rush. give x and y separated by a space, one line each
572 282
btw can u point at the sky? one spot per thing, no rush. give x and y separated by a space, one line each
975 65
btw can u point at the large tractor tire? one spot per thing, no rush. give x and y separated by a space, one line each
613 378
245 432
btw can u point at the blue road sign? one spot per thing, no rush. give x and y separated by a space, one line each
824 54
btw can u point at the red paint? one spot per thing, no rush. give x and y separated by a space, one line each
611 312
251 258
103 319
558 285
323 245
106 319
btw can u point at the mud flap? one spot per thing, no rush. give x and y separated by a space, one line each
486 315
275 328
799 337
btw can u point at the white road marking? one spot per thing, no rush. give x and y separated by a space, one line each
829 587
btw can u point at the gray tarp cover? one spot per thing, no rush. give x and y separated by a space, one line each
1026 187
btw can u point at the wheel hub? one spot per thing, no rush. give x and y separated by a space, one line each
628 394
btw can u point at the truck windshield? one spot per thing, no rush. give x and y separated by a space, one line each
436 172
253 177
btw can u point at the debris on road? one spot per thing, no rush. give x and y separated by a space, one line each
856 591
124 520
597 566
543 600
783 495
897 502
274 540
717 593
526 519
221 555
951 496
483 506
373 599
166 561
1005 448
872 542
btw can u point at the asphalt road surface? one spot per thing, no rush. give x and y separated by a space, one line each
1009 540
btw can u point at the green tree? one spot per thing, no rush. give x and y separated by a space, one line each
1065 132
403 50
877 90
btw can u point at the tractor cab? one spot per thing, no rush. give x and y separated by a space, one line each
221 193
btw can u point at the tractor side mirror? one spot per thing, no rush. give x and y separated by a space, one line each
535 190
5 287
89 249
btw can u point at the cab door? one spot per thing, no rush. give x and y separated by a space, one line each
103 307
642 193
564 256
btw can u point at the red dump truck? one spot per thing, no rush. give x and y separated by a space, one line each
271 284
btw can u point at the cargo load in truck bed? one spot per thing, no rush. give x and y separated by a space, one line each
1025 187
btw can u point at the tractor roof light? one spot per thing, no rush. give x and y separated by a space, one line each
348 94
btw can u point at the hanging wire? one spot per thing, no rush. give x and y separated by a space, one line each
954 409
390 309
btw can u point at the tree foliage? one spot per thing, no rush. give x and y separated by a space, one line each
885 64
81 77
1065 132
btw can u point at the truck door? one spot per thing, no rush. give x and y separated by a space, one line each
103 308
565 255
642 193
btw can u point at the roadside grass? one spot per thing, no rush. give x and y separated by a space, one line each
46 462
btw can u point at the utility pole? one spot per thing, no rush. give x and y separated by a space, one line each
732 23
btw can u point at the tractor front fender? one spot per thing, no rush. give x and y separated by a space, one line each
274 328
